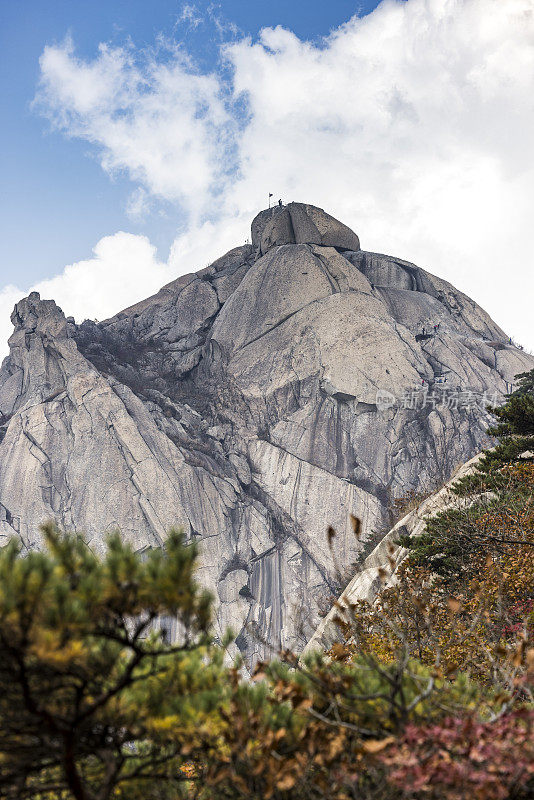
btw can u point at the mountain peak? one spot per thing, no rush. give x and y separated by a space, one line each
289 384
31 314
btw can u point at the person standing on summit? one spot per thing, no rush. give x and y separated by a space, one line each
280 203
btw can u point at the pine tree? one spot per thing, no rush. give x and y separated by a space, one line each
93 703
497 515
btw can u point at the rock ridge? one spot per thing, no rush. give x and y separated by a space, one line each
293 381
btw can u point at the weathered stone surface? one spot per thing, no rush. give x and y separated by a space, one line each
332 232
386 558
304 229
299 223
253 403
258 225
277 231
343 341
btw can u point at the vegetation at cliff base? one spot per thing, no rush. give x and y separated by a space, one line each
428 692
88 693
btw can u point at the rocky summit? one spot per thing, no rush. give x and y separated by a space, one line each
294 381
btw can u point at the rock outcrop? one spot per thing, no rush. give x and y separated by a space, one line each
292 382
298 223
379 569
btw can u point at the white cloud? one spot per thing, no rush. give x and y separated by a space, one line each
151 114
123 270
412 124
138 204
190 15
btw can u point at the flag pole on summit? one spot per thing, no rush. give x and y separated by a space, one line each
270 195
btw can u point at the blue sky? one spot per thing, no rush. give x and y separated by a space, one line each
138 139
56 200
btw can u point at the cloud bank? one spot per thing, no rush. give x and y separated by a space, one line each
123 270
413 125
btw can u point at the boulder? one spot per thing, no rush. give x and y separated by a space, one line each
299 223
332 233
277 231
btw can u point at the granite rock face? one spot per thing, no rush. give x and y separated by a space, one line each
298 223
379 570
292 382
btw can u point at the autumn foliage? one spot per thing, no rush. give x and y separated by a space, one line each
462 758
429 692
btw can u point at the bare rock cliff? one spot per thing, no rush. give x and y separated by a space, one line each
379 569
291 382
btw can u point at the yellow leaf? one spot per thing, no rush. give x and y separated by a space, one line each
382 574
376 745
286 782
356 525
331 534
454 605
